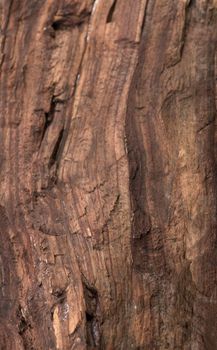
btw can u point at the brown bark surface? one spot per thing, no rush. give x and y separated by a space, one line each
108 175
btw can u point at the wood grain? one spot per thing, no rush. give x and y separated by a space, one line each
108 174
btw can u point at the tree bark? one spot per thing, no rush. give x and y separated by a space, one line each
108 174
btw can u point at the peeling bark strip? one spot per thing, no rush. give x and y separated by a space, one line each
108 174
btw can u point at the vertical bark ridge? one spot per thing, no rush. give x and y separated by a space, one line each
108 203
169 133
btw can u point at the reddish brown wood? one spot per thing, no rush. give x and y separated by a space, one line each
108 174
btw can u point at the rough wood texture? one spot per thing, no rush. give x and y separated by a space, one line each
108 175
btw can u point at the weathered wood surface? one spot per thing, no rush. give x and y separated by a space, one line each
108 174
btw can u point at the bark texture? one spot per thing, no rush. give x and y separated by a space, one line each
108 174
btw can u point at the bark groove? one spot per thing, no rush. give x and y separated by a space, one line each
108 174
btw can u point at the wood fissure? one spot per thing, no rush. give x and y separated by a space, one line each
108 174
111 12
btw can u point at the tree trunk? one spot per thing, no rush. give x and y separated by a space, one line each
108 175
